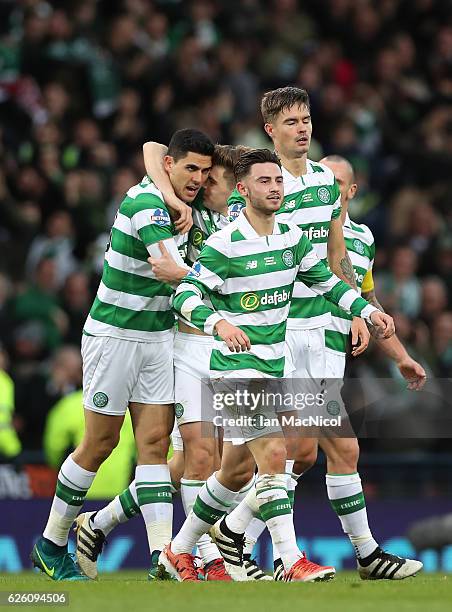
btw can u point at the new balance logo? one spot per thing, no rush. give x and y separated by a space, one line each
251 265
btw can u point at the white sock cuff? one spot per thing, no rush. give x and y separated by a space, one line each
215 488
186 482
72 475
270 481
289 466
133 491
154 473
339 480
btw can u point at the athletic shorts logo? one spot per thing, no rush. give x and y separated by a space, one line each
258 421
234 210
323 193
195 270
159 216
178 410
197 237
287 258
358 246
100 399
249 301
333 408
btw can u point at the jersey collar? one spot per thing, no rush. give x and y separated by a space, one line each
347 222
248 231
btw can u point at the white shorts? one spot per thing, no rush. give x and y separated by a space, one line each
192 388
335 369
116 372
306 368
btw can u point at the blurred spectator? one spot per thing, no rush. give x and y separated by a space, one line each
38 390
9 442
84 84
398 288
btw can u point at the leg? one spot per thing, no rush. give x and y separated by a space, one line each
152 426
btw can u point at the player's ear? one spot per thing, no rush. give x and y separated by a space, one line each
168 162
242 189
352 191
268 127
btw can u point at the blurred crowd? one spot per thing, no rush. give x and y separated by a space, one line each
84 83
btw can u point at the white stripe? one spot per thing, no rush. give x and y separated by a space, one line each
302 216
341 325
300 290
271 280
189 305
124 224
209 278
347 300
131 301
143 219
263 351
137 190
309 322
359 260
98 328
128 264
272 317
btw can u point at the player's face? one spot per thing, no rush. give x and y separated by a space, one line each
291 131
344 180
188 174
263 187
217 189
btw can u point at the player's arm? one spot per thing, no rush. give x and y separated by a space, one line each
315 275
207 276
410 369
157 236
153 153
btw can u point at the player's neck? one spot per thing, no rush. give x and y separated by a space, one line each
296 166
262 224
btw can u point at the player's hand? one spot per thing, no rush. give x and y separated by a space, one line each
165 268
234 337
413 372
181 214
383 323
360 336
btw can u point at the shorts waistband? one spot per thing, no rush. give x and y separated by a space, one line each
193 338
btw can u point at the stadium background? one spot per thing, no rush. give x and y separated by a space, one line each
82 86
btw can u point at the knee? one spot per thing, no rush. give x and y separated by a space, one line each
241 473
343 457
199 462
100 447
275 457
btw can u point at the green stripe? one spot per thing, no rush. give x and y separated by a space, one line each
72 497
291 496
238 265
150 234
220 362
193 483
231 302
265 334
336 341
348 505
154 495
133 283
214 261
126 318
206 513
308 307
128 245
278 507
158 483
269 489
128 504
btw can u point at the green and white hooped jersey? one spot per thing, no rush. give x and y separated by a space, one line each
130 302
205 223
249 279
310 201
360 245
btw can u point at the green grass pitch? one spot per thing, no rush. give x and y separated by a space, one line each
129 591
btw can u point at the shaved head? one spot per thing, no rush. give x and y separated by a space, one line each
338 159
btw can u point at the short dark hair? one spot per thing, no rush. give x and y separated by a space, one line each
277 100
189 141
256 156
